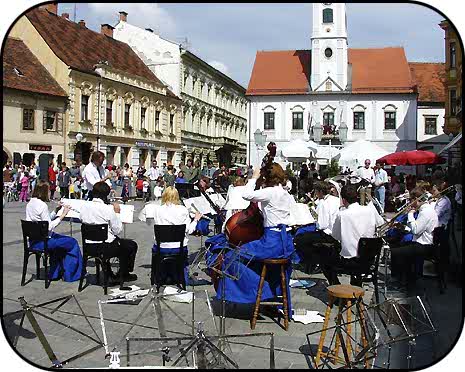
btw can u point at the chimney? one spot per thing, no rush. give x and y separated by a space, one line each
107 30
65 15
149 30
123 16
82 23
51 7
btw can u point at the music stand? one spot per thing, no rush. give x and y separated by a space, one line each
186 190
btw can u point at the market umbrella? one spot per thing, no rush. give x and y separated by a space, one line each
355 153
414 157
298 149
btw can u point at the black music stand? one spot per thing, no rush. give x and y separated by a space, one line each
186 190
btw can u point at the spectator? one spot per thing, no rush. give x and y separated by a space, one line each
64 180
146 189
52 179
24 196
188 170
180 178
126 175
169 176
209 170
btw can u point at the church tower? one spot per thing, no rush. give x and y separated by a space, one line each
329 47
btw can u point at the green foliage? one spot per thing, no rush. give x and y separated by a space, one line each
333 169
289 172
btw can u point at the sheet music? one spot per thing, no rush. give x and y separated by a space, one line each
126 215
300 215
217 199
201 204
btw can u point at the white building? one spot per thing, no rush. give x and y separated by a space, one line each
214 121
371 91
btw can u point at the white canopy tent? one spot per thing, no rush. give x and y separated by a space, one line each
355 154
299 149
324 153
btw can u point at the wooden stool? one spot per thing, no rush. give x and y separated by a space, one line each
345 293
283 264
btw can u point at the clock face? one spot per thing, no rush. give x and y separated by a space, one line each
328 52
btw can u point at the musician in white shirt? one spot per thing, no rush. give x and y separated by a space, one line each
405 255
170 212
94 172
153 173
381 180
352 223
68 264
97 212
368 175
308 244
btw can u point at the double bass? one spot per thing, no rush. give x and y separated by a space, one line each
247 225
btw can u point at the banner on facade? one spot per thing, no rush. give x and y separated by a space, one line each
145 144
40 147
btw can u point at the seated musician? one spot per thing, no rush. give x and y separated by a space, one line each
276 242
404 256
327 209
69 264
170 212
352 223
97 212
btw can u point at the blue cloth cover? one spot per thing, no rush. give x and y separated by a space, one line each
202 226
65 257
169 251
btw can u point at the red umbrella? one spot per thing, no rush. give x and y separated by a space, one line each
415 157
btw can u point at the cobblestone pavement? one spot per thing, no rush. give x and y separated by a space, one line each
291 347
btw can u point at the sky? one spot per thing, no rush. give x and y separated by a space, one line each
228 35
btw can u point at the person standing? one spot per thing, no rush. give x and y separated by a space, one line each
64 180
52 179
188 170
94 172
24 195
169 177
195 172
210 170
33 175
126 175
381 180
368 176
153 173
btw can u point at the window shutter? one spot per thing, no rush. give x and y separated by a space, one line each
44 123
59 122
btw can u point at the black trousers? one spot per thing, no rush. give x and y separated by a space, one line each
404 257
313 246
124 249
64 192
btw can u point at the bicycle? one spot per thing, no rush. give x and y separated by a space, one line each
11 192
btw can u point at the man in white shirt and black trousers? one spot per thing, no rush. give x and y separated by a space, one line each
308 243
95 172
403 257
352 223
154 172
368 175
98 212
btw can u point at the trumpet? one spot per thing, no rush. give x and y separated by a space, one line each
311 206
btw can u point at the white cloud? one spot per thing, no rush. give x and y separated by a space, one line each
219 66
145 15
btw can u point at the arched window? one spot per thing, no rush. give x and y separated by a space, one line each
327 15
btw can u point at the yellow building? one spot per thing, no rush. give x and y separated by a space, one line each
115 101
33 108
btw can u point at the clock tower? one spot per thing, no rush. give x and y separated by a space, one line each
329 48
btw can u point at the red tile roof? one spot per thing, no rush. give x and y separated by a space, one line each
30 75
383 70
430 79
81 48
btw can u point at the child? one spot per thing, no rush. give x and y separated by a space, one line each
24 196
139 187
158 189
146 188
77 189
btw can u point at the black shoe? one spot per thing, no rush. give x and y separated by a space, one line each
316 269
129 277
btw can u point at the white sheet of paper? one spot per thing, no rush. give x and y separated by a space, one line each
183 296
300 214
127 213
201 205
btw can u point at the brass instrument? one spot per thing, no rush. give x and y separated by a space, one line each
311 206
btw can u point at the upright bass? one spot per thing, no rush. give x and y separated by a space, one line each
247 225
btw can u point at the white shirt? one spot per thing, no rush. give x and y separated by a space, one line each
352 223
327 209
91 175
443 209
381 177
96 212
234 202
168 214
367 174
275 203
37 210
422 227
154 173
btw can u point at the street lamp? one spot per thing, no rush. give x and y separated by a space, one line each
260 139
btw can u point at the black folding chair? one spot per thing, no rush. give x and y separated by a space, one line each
99 234
161 263
364 268
35 232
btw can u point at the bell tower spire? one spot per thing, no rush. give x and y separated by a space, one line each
329 47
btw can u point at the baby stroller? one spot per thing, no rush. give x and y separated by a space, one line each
11 191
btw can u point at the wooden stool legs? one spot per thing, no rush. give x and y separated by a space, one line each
284 289
259 296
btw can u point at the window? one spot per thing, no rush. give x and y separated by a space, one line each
109 112
327 16
157 120
127 109
452 55
328 118
28 119
389 120
172 123
297 120
453 102
269 121
50 121
430 126
84 107
359 120
143 110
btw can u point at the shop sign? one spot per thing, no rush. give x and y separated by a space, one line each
145 144
40 147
